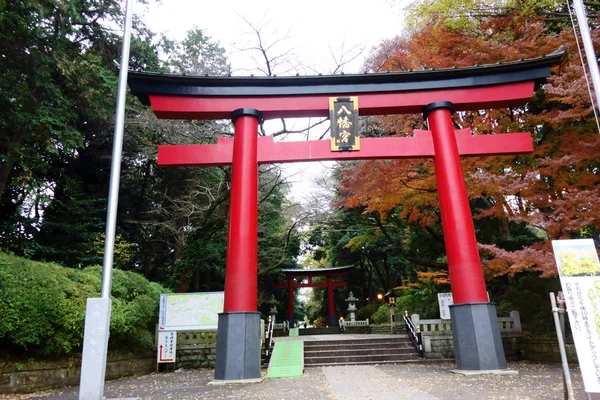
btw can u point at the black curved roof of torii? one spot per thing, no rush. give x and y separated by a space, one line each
143 84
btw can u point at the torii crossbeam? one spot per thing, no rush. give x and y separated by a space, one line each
435 93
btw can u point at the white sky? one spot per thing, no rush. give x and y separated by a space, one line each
319 32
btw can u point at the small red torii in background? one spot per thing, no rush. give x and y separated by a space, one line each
435 93
329 284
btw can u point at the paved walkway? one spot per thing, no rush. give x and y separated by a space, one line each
352 382
423 381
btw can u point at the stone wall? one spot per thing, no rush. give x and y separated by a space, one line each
442 347
437 336
546 350
196 349
34 376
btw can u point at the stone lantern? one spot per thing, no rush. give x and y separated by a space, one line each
273 311
352 306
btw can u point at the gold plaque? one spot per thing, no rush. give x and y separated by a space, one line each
343 114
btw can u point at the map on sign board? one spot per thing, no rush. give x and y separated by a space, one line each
190 311
579 271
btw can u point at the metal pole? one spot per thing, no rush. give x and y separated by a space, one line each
560 301
97 311
590 54
115 170
561 346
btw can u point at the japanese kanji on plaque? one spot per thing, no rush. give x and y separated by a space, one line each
343 114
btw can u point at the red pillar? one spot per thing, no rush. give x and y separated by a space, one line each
464 265
330 305
241 268
291 301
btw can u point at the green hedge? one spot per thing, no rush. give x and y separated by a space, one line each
382 315
42 307
366 312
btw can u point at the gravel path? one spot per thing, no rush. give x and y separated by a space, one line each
423 381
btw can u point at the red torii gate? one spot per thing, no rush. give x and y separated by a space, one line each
435 93
330 284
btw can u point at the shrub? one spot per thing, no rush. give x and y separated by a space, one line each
42 307
319 323
382 315
424 305
366 312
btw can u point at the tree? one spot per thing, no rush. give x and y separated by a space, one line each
198 54
57 91
470 14
552 192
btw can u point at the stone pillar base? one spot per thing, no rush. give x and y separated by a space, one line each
476 337
95 347
332 322
238 347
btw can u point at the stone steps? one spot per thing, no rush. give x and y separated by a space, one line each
359 351
378 342
408 361
371 346
333 330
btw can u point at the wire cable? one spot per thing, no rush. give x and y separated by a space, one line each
587 81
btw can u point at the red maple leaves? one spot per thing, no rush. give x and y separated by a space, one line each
555 191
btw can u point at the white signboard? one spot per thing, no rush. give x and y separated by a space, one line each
445 301
579 272
190 311
167 344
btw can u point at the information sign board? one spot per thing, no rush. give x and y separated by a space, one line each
579 271
445 301
167 345
190 311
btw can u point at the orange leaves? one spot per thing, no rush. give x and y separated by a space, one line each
382 185
427 282
555 191
438 46
439 278
537 257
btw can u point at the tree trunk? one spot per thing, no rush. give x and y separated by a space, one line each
7 165
5 170
195 284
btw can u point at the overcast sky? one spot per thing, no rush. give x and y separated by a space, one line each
319 32
313 28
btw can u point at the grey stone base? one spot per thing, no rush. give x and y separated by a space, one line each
241 381
476 337
95 348
487 372
238 347
332 321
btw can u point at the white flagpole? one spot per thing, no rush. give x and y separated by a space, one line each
590 54
97 315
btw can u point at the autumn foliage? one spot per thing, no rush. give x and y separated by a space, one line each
553 193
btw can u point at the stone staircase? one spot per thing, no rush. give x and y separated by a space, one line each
395 349
332 330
